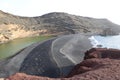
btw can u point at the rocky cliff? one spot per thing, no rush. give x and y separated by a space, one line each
55 23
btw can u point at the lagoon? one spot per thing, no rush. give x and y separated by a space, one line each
12 47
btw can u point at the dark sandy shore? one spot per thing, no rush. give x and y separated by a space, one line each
53 58
12 64
40 62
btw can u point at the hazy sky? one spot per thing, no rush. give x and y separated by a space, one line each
91 8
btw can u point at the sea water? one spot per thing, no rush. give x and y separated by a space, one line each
106 41
12 47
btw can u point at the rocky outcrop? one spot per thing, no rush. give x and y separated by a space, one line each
22 76
13 31
92 58
53 24
95 69
102 53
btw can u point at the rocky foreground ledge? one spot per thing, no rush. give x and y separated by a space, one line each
98 64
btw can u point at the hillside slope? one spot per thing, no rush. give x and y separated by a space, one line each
55 23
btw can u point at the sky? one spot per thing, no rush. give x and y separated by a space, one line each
90 8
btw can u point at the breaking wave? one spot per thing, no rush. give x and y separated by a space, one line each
106 41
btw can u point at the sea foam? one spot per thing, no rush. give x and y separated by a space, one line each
106 41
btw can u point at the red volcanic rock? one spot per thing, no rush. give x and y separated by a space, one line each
94 60
84 66
100 69
22 76
102 53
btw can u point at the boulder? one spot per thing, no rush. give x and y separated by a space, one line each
96 69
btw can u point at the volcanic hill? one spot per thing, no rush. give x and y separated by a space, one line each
55 23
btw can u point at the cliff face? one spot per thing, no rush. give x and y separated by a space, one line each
52 23
12 31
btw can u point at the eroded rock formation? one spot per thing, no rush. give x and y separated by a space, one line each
102 53
13 31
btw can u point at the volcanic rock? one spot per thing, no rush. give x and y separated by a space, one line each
22 76
92 58
103 69
102 53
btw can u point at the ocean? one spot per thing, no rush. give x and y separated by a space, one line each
106 41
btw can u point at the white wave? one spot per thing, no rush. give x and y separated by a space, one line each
106 42
94 42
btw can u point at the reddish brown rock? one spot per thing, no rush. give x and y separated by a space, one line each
100 69
84 66
102 53
22 76
90 64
